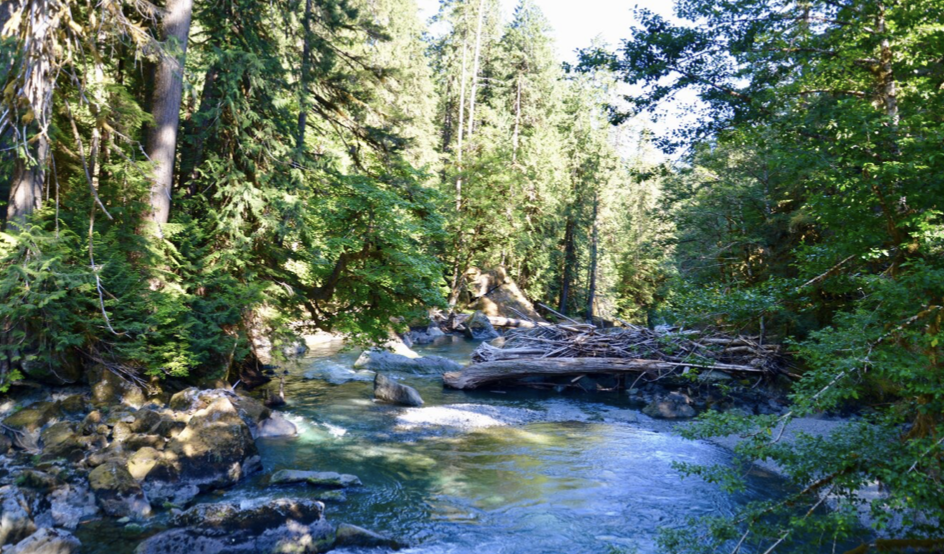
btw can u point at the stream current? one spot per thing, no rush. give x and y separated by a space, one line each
522 472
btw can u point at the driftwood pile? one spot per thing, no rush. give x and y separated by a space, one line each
580 349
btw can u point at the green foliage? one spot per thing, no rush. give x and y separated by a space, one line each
809 208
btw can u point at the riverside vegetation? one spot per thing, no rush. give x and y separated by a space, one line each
192 186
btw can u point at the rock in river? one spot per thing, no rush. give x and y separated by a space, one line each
118 494
478 327
314 478
388 390
268 526
381 360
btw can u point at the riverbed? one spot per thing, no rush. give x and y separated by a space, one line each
493 472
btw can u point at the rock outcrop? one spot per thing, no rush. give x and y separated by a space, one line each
478 327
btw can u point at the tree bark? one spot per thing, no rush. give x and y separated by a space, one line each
570 260
475 68
592 281
29 173
303 79
168 90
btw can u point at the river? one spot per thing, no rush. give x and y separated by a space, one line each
489 472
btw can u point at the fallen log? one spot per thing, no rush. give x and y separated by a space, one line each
476 375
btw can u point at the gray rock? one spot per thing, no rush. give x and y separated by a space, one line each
478 327
70 504
328 479
118 494
357 537
46 541
673 406
256 516
15 521
381 360
388 390
276 426
281 525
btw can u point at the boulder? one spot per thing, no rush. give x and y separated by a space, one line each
193 399
33 418
146 420
61 442
70 504
216 448
329 479
46 541
269 526
15 521
255 517
352 536
150 462
61 370
381 360
276 426
109 389
496 294
478 327
118 494
388 390
673 406
74 406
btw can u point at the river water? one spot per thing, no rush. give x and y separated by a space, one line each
521 472
489 472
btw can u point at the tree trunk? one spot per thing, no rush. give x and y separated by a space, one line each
475 68
511 370
168 89
570 261
515 134
29 174
592 281
461 124
303 79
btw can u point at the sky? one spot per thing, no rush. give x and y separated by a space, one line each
577 22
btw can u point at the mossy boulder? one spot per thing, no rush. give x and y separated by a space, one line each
117 492
478 327
151 463
60 440
58 370
255 517
216 447
108 389
33 418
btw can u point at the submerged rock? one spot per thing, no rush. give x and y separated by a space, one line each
336 374
46 541
276 426
70 504
388 390
381 360
329 479
478 327
358 537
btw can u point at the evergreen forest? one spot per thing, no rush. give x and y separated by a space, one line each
181 177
